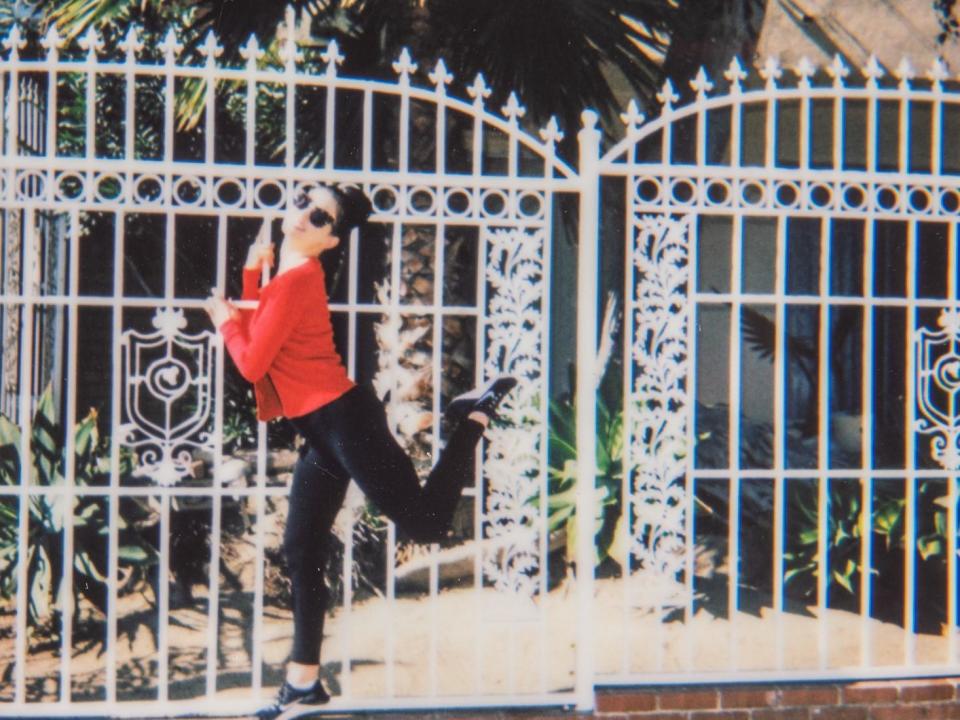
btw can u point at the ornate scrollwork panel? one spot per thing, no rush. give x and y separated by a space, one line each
657 433
513 464
168 401
938 388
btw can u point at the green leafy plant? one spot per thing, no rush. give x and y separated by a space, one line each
562 477
844 533
91 521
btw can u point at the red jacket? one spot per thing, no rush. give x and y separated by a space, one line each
285 347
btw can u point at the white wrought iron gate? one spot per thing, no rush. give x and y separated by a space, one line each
774 492
789 405
141 539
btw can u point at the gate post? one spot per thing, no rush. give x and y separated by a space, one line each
587 248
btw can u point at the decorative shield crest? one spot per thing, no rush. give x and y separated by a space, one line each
168 396
938 388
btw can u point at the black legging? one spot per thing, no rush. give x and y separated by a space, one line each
349 438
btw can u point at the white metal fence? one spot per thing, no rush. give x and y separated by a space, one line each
790 248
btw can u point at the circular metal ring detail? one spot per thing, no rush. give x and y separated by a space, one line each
853 197
920 200
189 190
950 201
753 193
266 187
64 182
786 194
886 197
384 199
683 191
717 193
648 190
222 189
530 200
820 195
110 187
146 182
457 202
422 200
494 203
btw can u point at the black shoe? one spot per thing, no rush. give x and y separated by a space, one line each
484 399
290 698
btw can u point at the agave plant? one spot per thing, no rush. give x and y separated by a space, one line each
91 523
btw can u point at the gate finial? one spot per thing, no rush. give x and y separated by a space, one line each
771 71
478 91
440 77
873 71
251 52
632 118
804 70
938 74
211 48
131 44
332 57
513 110
13 42
170 47
404 66
838 70
92 43
552 134
701 83
905 72
52 41
667 96
735 75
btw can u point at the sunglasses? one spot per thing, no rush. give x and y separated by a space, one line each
319 217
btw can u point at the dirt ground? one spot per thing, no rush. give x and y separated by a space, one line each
467 642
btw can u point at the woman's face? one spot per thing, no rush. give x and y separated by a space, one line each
300 223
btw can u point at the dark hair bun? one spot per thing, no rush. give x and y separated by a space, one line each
355 208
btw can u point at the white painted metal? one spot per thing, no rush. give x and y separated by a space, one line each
512 287
663 355
826 186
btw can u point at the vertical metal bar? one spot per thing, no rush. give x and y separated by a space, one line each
259 582
115 438
213 583
26 455
437 341
910 509
733 448
250 115
936 141
67 608
951 600
866 453
163 602
367 153
544 541
329 125
629 455
479 656
589 140
779 434
691 437
823 439
209 110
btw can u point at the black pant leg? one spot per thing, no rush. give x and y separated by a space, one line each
316 495
354 429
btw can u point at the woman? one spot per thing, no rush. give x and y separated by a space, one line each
286 349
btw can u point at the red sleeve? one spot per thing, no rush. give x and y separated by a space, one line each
251 284
255 344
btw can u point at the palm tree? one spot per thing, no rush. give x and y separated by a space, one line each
559 55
